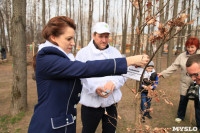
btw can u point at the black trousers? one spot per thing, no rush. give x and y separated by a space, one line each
183 106
91 117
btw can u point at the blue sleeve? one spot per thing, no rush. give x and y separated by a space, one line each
52 66
156 83
142 85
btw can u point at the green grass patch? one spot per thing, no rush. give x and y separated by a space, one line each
4 122
7 120
18 130
17 118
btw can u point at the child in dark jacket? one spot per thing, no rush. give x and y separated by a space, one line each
149 83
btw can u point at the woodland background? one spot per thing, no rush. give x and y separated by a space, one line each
138 26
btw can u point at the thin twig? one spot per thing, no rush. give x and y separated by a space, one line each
163 42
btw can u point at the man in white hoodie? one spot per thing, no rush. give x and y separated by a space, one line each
100 95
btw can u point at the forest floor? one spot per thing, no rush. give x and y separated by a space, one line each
163 114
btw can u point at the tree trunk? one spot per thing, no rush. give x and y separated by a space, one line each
81 23
73 10
148 52
34 28
138 40
50 9
124 35
107 8
197 26
19 86
166 19
99 11
137 46
90 20
70 8
43 13
184 30
1 34
3 31
103 11
188 20
57 11
8 18
179 37
171 43
159 54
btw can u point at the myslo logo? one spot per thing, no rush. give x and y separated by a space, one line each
190 129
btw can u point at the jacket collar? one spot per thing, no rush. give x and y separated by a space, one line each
95 50
49 44
197 52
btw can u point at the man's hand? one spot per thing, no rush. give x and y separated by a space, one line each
107 90
100 91
109 86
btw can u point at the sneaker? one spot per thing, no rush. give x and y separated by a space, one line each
148 116
178 120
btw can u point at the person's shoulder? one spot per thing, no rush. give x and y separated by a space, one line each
198 51
114 49
83 50
182 55
50 51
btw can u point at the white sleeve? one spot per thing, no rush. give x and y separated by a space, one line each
118 81
87 83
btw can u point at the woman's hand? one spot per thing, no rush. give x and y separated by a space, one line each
159 75
137 60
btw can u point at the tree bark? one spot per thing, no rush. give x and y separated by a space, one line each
3 31
50 9
34 28
188 20
70 9
197 26
107 10
124 36
138 40
8 18
19 86
171 42
81 23
103 18
159 54
57 11
90 19
43 13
